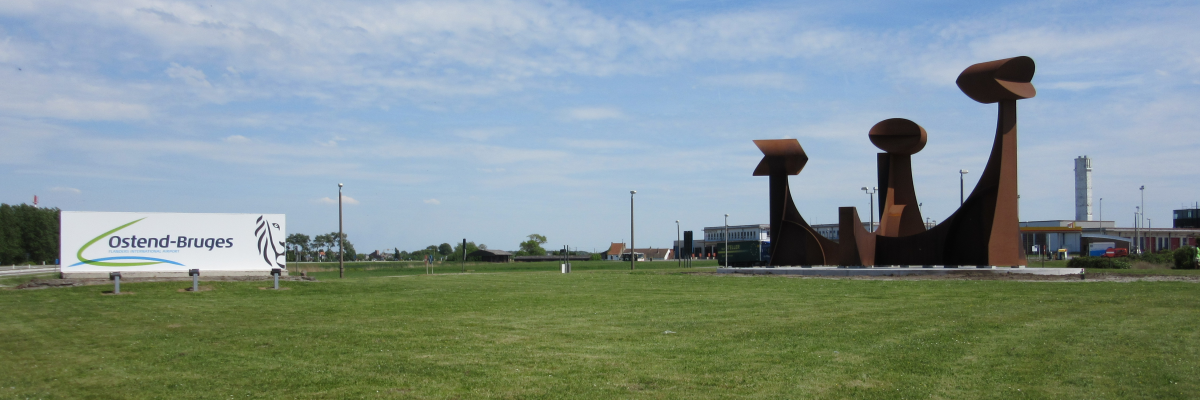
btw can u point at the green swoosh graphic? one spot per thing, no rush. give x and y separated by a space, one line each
110 264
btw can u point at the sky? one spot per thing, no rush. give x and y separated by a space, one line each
493 120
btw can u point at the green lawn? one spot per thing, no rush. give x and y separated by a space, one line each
603 334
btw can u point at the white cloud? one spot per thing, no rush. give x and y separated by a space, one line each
332 142
482 135
593 113
189 75
64 189
432 201
758 80
77 109
236 139
346 200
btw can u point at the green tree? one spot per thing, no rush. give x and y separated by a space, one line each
11 248
28 234
397 256
533 246
445 249
334 245
458 252
323 242
298 243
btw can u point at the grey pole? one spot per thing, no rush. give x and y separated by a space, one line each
275 272
1137 215
464 260
961 173
341 241
1142 215
632 254
726 240
871 200
195 273
116 278
678 245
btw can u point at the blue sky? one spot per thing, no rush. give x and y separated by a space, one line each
492 120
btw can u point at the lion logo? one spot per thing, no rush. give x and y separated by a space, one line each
268 247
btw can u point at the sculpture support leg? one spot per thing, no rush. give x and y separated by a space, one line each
1004 247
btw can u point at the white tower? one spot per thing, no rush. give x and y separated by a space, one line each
1083 189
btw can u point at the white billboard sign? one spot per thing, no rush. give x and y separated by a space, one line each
103 242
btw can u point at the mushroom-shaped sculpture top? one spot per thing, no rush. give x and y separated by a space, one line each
898 136
787 152
992 81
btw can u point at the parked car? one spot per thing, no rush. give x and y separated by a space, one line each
1116 252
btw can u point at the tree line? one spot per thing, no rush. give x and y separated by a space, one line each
28 234
301 247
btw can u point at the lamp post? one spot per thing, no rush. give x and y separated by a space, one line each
1101 215
961 173
632 253
1137 217
678 245
1142 189
871 198
341 237
726 240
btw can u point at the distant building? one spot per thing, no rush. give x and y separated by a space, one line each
1187 218
1088 237
614 252
494 256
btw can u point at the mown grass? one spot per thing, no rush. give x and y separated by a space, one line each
603 334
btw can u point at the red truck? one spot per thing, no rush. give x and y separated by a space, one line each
1115 252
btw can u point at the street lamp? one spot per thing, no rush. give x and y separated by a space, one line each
1101 215
341 237
726 240
1137 218
1143 212
871 197
961 173
632 254
678 245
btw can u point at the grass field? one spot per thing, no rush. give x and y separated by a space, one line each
603 333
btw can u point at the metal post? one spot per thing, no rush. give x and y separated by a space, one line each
961 173
116 278
275 272
1142 214
464 260
341 241
726 240
678 245
632 253
871 200
195 273
1137 218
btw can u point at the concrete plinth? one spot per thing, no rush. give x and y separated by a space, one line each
898 271
204 274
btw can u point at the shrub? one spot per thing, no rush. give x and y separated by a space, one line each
1098 263
1161 257
1185 258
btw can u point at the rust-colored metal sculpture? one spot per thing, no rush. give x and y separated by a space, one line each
983 231
804 246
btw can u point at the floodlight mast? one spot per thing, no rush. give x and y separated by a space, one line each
632 253
726 240
341 237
